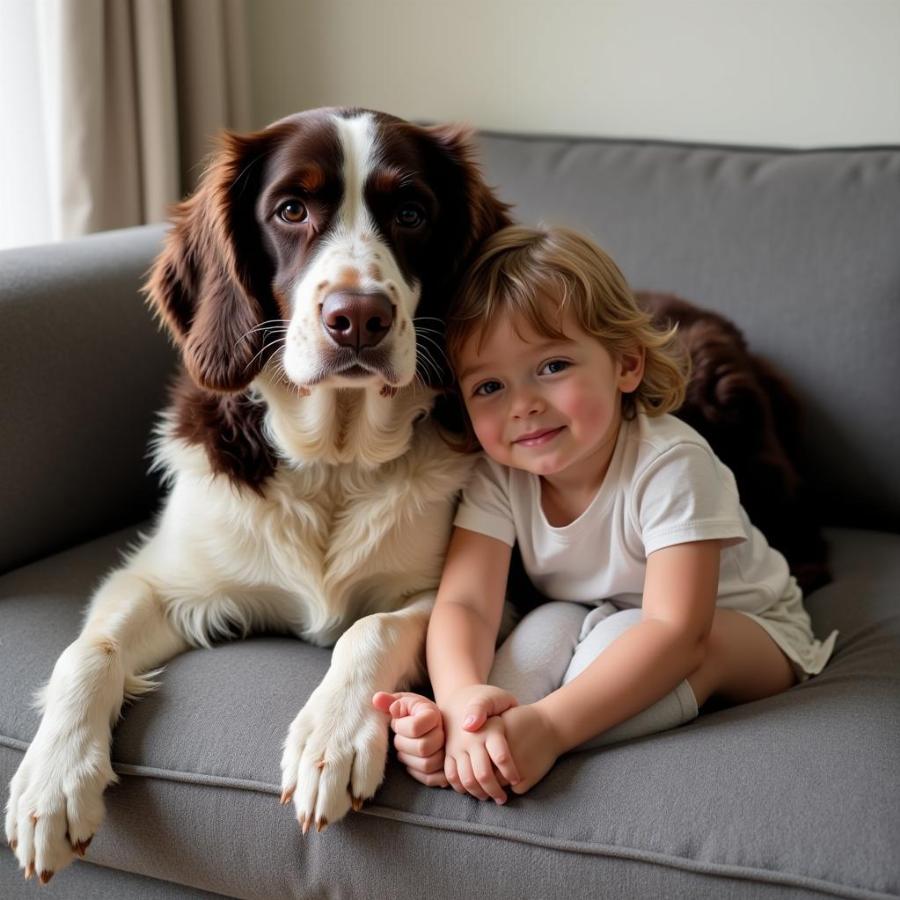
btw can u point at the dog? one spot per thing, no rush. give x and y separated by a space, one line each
304 284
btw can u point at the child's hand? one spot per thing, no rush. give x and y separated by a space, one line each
472 706
533 742
480 763
476 750
418 734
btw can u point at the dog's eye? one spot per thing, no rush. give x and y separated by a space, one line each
410 215
293 212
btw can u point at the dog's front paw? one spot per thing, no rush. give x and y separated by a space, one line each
56 800
334 756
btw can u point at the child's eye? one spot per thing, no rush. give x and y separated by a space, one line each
486 388
554 366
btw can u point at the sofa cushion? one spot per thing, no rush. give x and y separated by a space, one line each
87 882
793 795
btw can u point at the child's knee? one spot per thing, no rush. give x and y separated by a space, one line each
553 617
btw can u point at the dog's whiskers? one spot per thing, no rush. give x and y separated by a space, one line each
429 364
271 325
417 319
446 363
435 344
263 349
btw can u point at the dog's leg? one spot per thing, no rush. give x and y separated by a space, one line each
336 749
56 796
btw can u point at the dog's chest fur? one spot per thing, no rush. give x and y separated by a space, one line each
320 545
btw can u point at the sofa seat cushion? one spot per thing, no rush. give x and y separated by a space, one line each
795 795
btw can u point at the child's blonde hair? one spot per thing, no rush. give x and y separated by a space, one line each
518 267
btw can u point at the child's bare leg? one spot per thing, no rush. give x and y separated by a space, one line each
742 662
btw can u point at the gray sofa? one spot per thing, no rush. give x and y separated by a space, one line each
796 796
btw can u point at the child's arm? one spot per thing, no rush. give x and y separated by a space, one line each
462 634
637 669
463 627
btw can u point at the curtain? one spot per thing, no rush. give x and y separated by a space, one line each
133 93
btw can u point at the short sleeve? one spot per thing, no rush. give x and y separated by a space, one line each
687 494
485 506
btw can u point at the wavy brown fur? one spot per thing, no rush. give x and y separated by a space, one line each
751 417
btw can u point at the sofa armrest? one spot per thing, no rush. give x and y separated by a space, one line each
83 369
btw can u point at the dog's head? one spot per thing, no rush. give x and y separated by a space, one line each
328 244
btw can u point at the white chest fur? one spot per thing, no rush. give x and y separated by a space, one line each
325 543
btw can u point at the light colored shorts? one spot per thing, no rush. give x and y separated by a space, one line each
788 624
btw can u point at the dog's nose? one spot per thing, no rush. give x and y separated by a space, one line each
357 320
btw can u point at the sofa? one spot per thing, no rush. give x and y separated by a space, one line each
794 796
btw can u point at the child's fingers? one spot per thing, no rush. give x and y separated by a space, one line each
475 716
523 786
427 765
382 701
479 711
435 779
400 703
451 773
401 707
483 770
422 718
501 756
423 746
396 704
468 777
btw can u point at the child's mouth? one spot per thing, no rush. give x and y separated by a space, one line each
538 438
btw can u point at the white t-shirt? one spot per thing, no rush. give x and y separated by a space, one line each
664 486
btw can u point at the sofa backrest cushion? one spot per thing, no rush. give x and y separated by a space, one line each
800 248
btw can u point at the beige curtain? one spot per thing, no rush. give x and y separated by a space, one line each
133 93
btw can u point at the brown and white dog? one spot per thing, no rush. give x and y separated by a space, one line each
305 284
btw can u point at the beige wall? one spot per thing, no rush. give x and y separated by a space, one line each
772 72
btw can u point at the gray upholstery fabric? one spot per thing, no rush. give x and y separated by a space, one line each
792 796
799 248
85 881
82 372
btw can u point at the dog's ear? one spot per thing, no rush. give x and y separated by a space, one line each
482 212
469 213
210 283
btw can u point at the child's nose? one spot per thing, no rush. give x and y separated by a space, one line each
526 403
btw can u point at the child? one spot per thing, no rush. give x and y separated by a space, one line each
665 593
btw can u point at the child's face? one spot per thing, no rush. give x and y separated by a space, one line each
550 407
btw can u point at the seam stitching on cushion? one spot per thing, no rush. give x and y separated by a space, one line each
745 873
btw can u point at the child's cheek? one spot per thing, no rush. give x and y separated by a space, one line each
589 406
487 431
595 418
